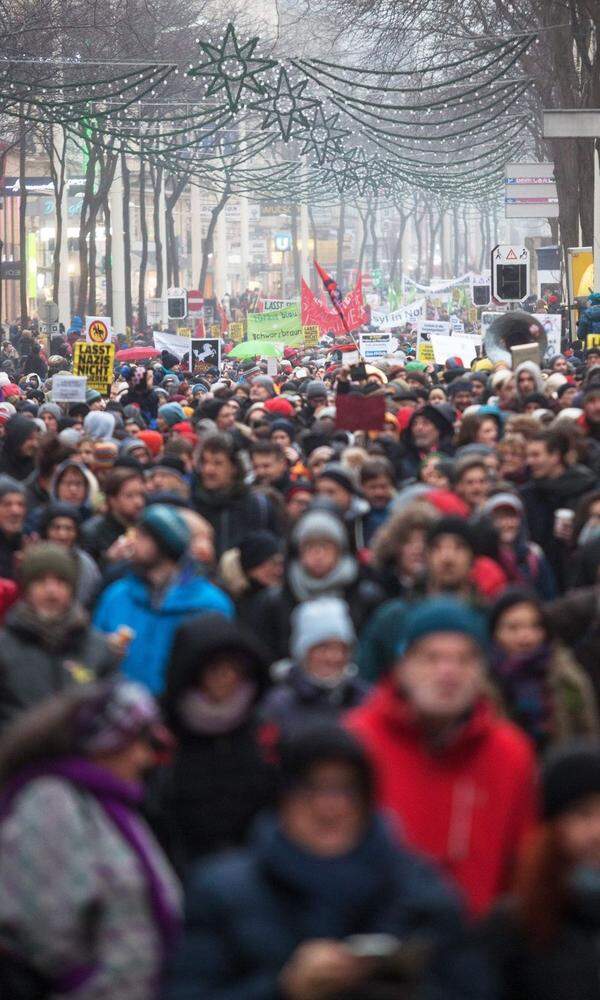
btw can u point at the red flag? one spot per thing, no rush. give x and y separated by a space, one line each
334 293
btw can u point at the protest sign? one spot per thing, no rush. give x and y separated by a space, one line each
552 323
205 353
68 388
592 340
463 346
355 412
171 342
281 325
311 335
425 329
375 345
98 329
236 332
96 362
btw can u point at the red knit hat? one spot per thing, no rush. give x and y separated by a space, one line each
185 430
154 440
279 406
447 502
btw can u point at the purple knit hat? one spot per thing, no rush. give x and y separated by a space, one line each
116 713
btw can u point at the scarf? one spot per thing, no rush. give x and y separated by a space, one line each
120 801
51 633
208 718
523 681
305 587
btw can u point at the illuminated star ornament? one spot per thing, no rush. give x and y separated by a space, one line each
232 67
323 139
285 106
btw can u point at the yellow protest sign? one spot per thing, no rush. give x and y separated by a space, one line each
96 362
592 340
425 353
215 330
236 332
311 335
184 331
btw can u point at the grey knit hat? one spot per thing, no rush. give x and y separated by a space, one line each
324 620
320 524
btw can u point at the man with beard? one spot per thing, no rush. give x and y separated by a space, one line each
147 606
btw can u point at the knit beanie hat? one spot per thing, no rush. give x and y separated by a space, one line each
258 546
323 620
341 475
266 382
168 529
452 526
47 559
570 774
113 713
10 485
171 413
316 389
153 439
320 524
282 407
442 614
320 743
52 408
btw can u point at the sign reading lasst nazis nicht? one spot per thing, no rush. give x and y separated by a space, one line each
96 362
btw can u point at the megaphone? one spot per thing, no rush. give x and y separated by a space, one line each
510 330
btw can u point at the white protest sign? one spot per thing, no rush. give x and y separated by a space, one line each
375 345
171 342
461 346
68 388
98 329
552 323
427 327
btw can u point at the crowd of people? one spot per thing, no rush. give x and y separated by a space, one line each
293 712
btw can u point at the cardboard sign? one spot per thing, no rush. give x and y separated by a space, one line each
96 362
236 332
281 325
375 345
98 329
355 412
205 353
311 335
68 388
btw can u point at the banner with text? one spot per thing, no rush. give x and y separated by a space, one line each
281 325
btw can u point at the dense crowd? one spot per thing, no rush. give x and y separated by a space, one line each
290 712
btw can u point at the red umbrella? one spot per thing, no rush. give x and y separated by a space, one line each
137 354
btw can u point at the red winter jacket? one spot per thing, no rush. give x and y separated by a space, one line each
467 806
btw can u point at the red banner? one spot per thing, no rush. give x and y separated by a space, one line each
314 313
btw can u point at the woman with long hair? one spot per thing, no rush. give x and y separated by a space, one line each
543 941
89 906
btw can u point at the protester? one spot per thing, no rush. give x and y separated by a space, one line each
125 497
88 903
286 917
542 940
460 779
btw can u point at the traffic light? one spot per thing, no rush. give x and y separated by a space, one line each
510 273
176 303
481 295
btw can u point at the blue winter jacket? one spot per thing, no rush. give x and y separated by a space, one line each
247 912
129 602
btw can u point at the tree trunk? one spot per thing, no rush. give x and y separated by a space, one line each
443 261
86 204
295 253
396 267
374 239
419 238
156 178
108 274
465 222
58 182
340 243
144 256
313 233
455 242
171 200
92 258
22 224
210 235
127 240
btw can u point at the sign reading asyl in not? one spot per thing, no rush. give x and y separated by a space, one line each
96 362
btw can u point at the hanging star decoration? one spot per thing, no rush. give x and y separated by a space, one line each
323 138
232 67
285 106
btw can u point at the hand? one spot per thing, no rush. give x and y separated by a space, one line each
121 549
320 969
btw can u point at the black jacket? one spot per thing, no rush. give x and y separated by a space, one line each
206 798
541 498
233 514
99 533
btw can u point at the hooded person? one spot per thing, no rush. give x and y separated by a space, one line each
541 942
429 430
74 484
248 570
19 447
322 680
340 486
89 905
60 523
318 564
160 592
99 425
318 870
523 561
543 688
206 797
47 643
529 379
